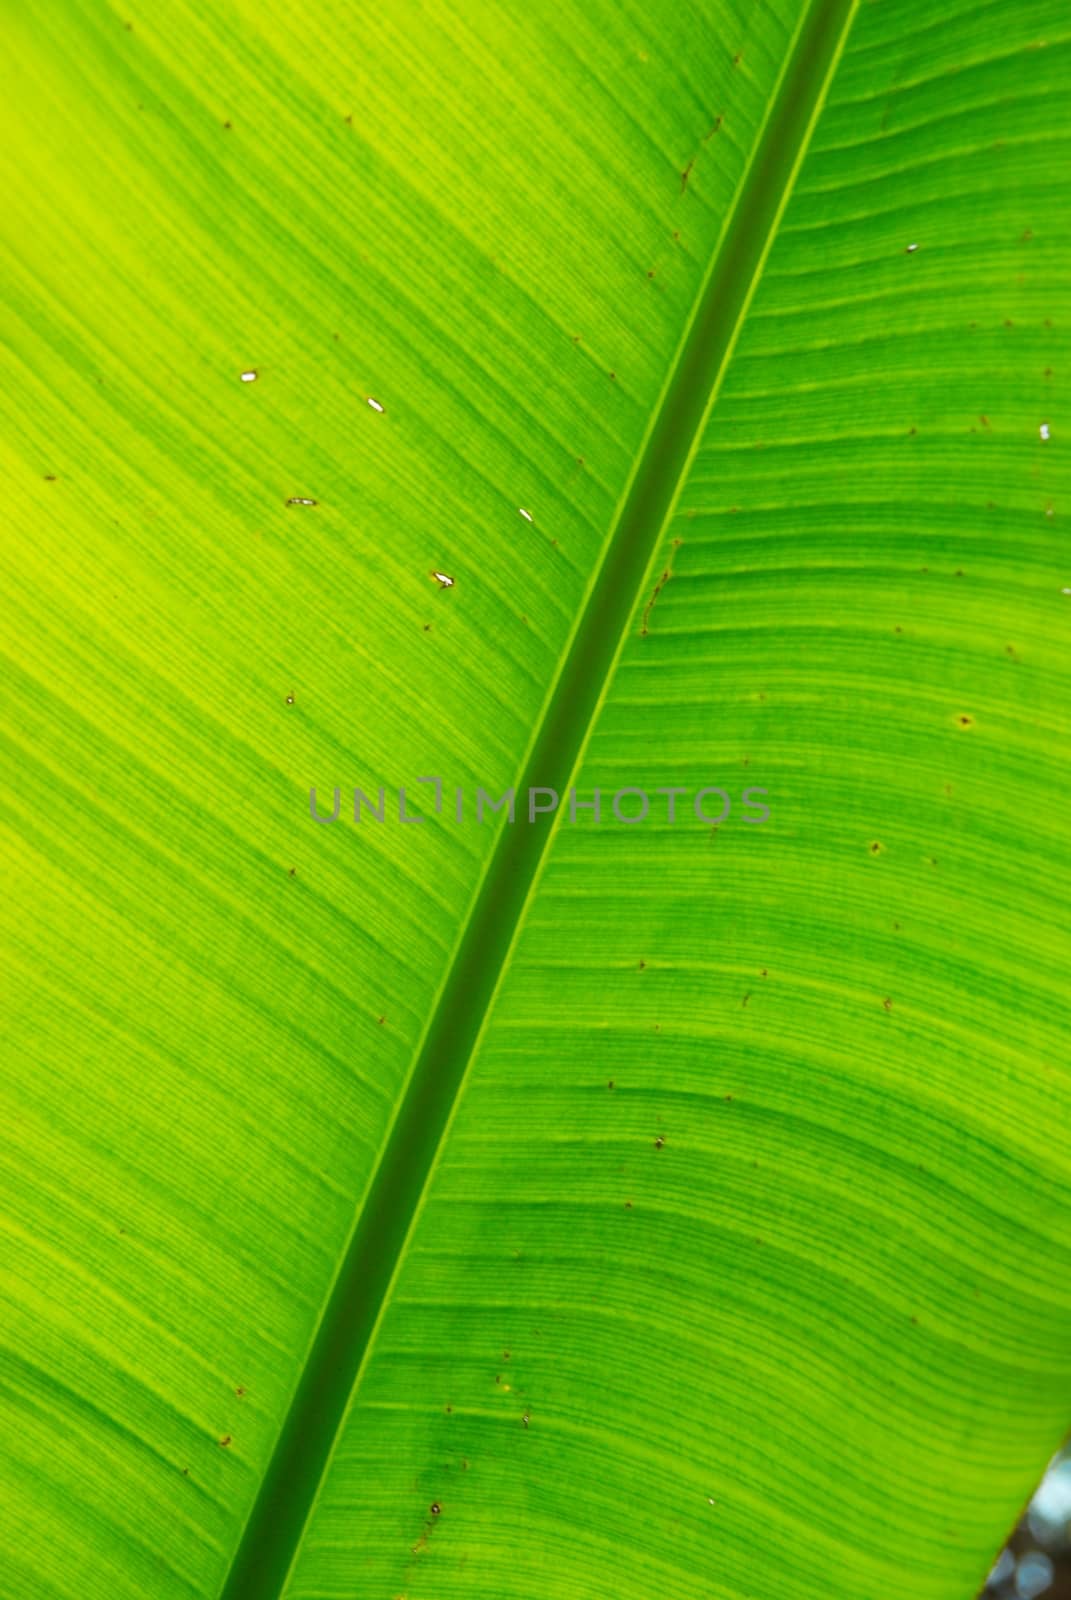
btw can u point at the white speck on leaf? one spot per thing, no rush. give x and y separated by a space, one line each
527 515
375 404
250 376
442 580
910 251
1044 431
300 500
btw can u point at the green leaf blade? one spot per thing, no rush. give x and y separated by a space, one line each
202 1087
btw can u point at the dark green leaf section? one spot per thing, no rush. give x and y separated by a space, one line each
274 1529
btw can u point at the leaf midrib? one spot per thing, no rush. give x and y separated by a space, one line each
275 1526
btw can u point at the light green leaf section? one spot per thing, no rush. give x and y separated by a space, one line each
455 216
785 1310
